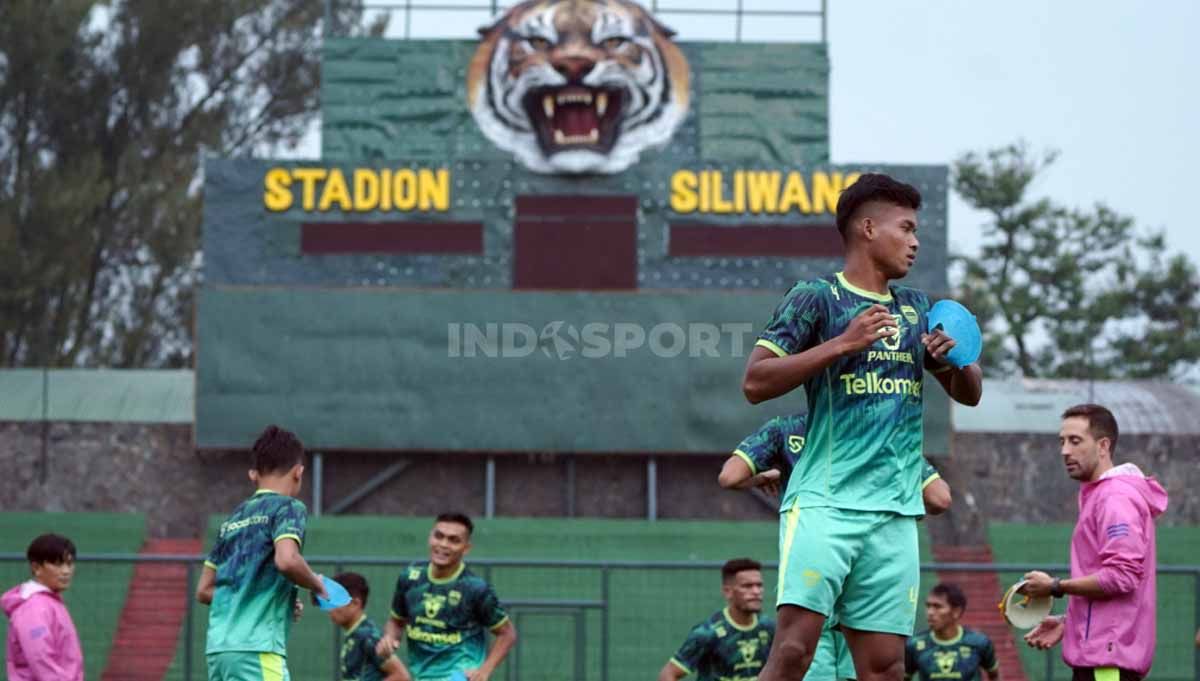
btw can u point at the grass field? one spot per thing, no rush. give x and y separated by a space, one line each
98 592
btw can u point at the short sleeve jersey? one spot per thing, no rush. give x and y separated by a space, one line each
959 659
251 610
447 619
779 442
358 659
720 650
865 411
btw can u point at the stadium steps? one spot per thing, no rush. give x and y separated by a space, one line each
148 631
983 593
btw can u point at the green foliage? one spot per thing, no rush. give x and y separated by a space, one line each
1070 293
106 109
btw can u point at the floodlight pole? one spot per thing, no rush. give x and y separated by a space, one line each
318 482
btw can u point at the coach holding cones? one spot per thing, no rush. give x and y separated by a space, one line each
1108 631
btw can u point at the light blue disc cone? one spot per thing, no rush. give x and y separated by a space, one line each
958 323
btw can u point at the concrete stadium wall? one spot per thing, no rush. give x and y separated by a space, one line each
153 469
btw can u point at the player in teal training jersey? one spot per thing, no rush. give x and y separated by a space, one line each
250 577
732 644
447 610
358 660
765 459
860 346
949 651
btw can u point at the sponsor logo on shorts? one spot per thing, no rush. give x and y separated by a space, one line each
811 577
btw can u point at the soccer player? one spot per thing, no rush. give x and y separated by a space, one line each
445 609
731 645
43 644
1108 631
860 346
358 659
765 459
250 577
948 650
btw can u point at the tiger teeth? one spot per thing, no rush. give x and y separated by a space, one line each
562 139
601 103
594 136
575 98
548 106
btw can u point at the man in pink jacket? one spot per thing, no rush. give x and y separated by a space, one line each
42 642
1108 631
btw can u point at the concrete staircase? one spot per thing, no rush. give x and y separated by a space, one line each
148 631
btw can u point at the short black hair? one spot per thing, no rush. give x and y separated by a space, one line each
731 567
874 187
460 518
51 548
1101 422
276 451
952 593
356 585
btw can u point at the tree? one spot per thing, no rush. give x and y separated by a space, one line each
106 109
1070 293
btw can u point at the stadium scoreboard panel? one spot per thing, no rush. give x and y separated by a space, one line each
440 281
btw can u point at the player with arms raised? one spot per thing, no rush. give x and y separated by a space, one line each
860 346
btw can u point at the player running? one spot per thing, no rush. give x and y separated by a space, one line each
731 645
446 608
860 346
765 459
250 577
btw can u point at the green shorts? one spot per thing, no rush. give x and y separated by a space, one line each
858 567
247 666
831 661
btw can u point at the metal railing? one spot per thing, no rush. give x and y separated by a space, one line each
625 617
663 9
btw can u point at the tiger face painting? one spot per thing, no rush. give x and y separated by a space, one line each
578 86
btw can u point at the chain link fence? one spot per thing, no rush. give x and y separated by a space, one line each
581 620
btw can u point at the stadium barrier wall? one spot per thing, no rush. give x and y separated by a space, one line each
602 620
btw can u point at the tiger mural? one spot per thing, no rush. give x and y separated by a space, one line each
578 86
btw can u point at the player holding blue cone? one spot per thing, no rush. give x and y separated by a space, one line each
251 574
860 346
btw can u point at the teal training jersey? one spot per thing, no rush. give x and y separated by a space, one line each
960 659
251 610
865 429
779 442
358 659
447 619
719 650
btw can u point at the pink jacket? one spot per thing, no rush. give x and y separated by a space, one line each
42 642
1114 540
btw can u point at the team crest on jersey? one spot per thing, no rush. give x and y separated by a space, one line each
748 647
920 646
795 443
433 604
763 637
720 631
964 651
414 574
945 660
455 597
910 313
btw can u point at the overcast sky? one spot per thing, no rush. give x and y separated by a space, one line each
1114 86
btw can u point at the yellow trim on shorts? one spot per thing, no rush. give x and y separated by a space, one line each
272 666
681 665
785 551
749 462
1107 674
764 343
